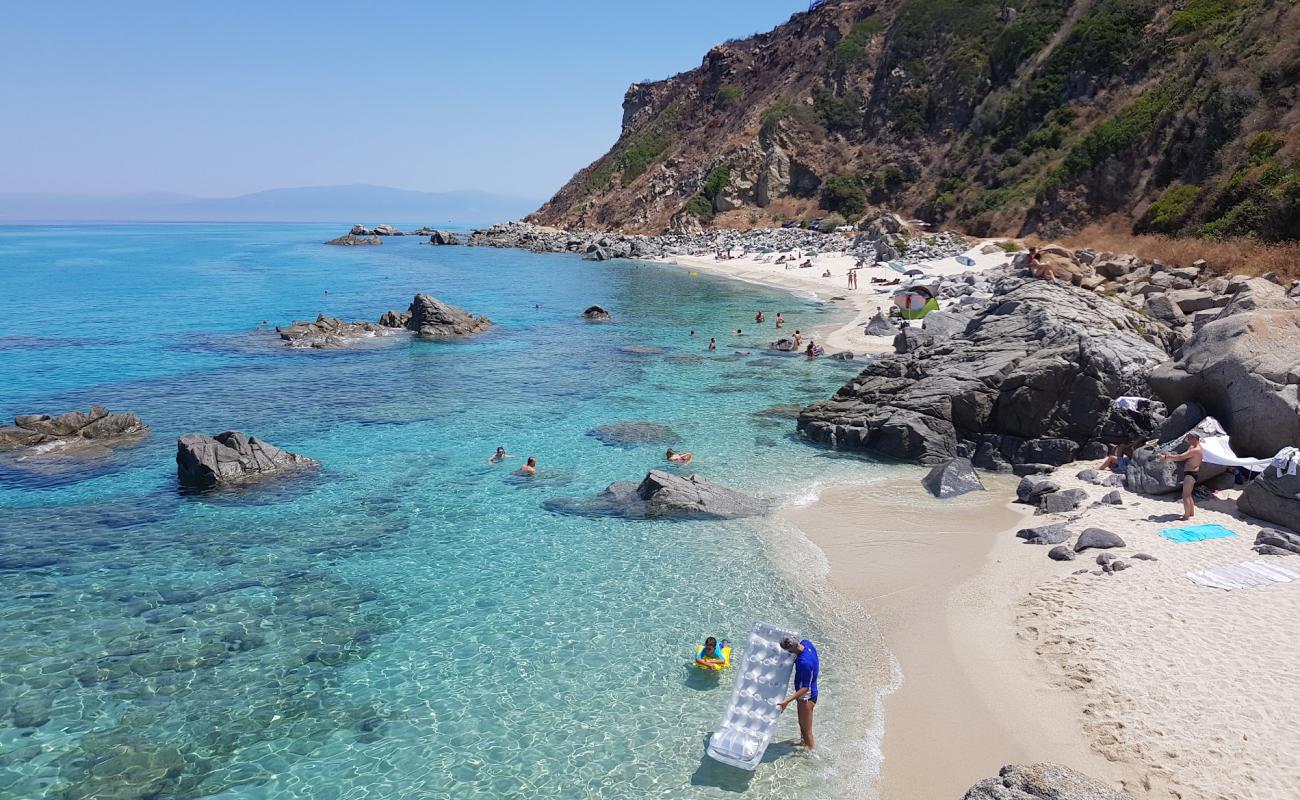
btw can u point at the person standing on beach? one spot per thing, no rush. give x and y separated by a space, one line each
1191 460
806 667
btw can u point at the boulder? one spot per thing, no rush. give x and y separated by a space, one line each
1273 498
634 434
946 323
597 314
386 230
1245 371
911 338
1045 534
205 462
1033 469
662 495
1189 301
71 430
1061 553
1143 557
1097 538
351 240
1062 502
1148 475
880 325
1181 420
956 477
443 238
1164 309
1113 498
1284 541
327 332
431 318
1033 487
1036 369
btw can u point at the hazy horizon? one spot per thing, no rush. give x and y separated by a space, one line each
498 97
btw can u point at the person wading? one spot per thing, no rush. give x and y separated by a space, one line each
806 667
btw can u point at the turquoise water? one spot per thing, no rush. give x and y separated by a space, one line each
408 622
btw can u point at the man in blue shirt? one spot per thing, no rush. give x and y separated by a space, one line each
806 668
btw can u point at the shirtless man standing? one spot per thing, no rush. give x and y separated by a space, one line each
1191 460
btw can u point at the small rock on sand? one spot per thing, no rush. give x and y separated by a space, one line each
1045 534
1097 538
1061 553
956 477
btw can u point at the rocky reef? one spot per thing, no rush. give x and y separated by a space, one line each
71 430
597 314
663 495
230 458
1030 379
430 318
353 240
328 332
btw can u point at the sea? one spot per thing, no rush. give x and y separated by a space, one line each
409 620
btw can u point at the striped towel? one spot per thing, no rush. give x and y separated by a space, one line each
1246 575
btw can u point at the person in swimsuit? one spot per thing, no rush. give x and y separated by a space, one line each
711 654
529 469
713 345
500 455
806 667
678 458
1191 460
779 321
759 317
798 340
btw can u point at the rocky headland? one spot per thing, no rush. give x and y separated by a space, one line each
71 431
231 458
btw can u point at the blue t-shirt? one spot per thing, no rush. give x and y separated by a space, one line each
806 667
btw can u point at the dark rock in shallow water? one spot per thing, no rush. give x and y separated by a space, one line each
1045 534
328 332
431 318
1042 782
1038 368
634 434
204 462
352 240
1097 538
597 314
71 430
957 477
662 495
643 350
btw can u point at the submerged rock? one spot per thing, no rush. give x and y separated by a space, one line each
68 431
662 495
957 477
1042 782
634 434
204 462
597 314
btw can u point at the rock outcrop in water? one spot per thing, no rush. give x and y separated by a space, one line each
71 430
352 240
206 462
1042 782
328 332
952 478
597 314
1030 380
431 318
443 238
663 495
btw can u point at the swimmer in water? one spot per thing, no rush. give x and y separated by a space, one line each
529 469
678 458
713 344
500 455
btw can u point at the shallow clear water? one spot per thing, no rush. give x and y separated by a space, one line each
409 621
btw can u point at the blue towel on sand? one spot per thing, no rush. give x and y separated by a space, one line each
1196 533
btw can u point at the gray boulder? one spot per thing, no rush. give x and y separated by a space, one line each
1273 498
957 477
386 230
880 325
351 240
783 344
1045 534
1113 498
1278 542
327 332
911 338
1033 487
1189 301
1164 309
1033 469
1062 502
1041 362
1245 371
597 314
1061 553
205 462
634 434
443 238
1181 420
946 323
431 318
662 495
1097 538
1148 475
72 429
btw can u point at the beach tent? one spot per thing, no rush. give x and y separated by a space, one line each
914 302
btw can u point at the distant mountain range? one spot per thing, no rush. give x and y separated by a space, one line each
360 202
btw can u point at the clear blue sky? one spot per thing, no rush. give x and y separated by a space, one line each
227 97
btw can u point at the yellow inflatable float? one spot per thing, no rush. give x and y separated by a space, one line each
724 651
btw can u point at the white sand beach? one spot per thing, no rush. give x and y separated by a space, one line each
862 302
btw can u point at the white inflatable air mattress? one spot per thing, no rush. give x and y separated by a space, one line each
747 726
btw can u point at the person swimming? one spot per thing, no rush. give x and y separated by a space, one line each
759 318
499 455
529 469
678 458
779 321
713 344
813 350
737 333
710 655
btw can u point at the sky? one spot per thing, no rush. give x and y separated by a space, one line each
224 98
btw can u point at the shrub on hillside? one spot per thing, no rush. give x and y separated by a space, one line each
830 222
1168 214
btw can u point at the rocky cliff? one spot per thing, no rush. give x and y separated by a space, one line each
999 116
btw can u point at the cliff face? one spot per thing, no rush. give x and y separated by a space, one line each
1179 117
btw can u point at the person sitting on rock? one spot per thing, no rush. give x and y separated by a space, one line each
500 455
1036 266
529 469
1119 458
1191 461
678 458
